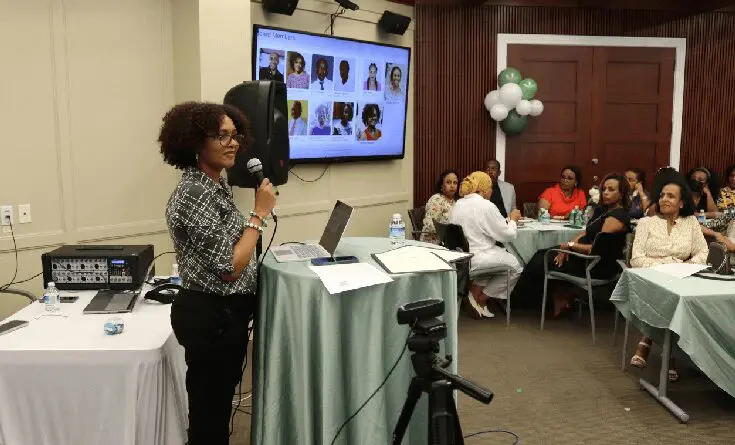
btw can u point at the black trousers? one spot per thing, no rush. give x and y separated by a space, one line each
214 333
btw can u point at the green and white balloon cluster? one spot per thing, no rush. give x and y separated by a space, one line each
513 101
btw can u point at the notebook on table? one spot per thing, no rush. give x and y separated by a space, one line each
112 302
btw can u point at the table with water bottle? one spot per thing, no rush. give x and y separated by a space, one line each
330 351
69 378
544 233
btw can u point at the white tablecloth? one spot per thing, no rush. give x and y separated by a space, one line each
64 382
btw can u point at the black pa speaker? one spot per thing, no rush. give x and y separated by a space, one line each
394 23
280 6
264 104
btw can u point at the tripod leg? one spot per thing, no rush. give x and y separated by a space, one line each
414 393
444 426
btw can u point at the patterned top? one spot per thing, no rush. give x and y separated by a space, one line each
205 225
297 80
726 199
437 208
653 245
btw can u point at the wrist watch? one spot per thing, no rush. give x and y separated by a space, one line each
570 244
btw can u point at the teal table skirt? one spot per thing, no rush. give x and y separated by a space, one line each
700 311
318 356
534 236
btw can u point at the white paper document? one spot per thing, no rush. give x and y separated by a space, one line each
409 259
450 256
343 277
680 270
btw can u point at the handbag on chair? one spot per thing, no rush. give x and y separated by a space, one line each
718 259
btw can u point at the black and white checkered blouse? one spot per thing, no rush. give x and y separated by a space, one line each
205 225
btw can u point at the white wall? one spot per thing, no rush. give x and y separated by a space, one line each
81 100
375 189
83 86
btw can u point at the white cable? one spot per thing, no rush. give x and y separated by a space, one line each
235 402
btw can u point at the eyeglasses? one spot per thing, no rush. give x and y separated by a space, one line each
226 139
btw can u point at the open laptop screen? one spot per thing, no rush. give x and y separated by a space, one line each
335 227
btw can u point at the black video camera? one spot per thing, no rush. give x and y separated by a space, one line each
427 329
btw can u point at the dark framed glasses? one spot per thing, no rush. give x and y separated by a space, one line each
225 139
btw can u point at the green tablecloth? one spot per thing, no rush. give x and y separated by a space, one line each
700 311
535 236
318 356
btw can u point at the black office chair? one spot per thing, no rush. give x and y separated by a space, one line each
604 242
452 237
417 221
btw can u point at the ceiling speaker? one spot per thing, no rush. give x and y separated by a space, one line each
280 6
394 23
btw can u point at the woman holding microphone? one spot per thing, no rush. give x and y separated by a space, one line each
215 249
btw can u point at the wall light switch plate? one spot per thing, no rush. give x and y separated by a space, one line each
24 213
6 215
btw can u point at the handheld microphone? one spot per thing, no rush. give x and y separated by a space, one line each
255 167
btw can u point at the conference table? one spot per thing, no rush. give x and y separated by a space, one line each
63 381
318 357
534 236
700 312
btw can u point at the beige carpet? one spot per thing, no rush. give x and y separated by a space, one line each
554 387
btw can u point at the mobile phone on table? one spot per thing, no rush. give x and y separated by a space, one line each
12 325
68 298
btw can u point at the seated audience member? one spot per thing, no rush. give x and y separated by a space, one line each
726 200
440 204
609 217
639 200
704 189
484 226
662 174
563 197
504 194
672 236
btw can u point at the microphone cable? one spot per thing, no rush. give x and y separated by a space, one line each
15 250
385 380
258 267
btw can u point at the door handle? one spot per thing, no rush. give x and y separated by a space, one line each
595 161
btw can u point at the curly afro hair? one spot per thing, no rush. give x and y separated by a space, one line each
186 127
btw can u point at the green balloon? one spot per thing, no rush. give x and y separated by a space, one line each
514 123
509 75
528 87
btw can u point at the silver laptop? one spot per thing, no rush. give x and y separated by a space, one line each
112 302
327 244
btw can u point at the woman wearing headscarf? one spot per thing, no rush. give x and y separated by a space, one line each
484 226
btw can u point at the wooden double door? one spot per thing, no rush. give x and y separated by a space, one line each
605 109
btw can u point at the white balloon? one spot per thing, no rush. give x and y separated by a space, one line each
537 107
491 99
499 112
510 95
523 108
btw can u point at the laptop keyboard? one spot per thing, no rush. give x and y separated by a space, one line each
307 250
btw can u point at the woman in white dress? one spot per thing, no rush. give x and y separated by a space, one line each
484 226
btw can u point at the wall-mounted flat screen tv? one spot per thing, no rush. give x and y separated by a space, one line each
347 99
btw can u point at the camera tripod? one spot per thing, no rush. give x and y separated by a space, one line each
433 379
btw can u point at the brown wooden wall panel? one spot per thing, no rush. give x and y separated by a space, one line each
456 67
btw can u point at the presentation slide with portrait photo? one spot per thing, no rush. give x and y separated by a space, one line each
346 98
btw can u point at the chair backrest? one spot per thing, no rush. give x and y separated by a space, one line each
417 218
530 210
628 250
455 239
441 231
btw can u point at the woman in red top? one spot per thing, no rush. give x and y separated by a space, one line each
563 197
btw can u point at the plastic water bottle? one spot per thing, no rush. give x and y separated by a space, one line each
544 217
51 297
175 278
397 230
573 216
